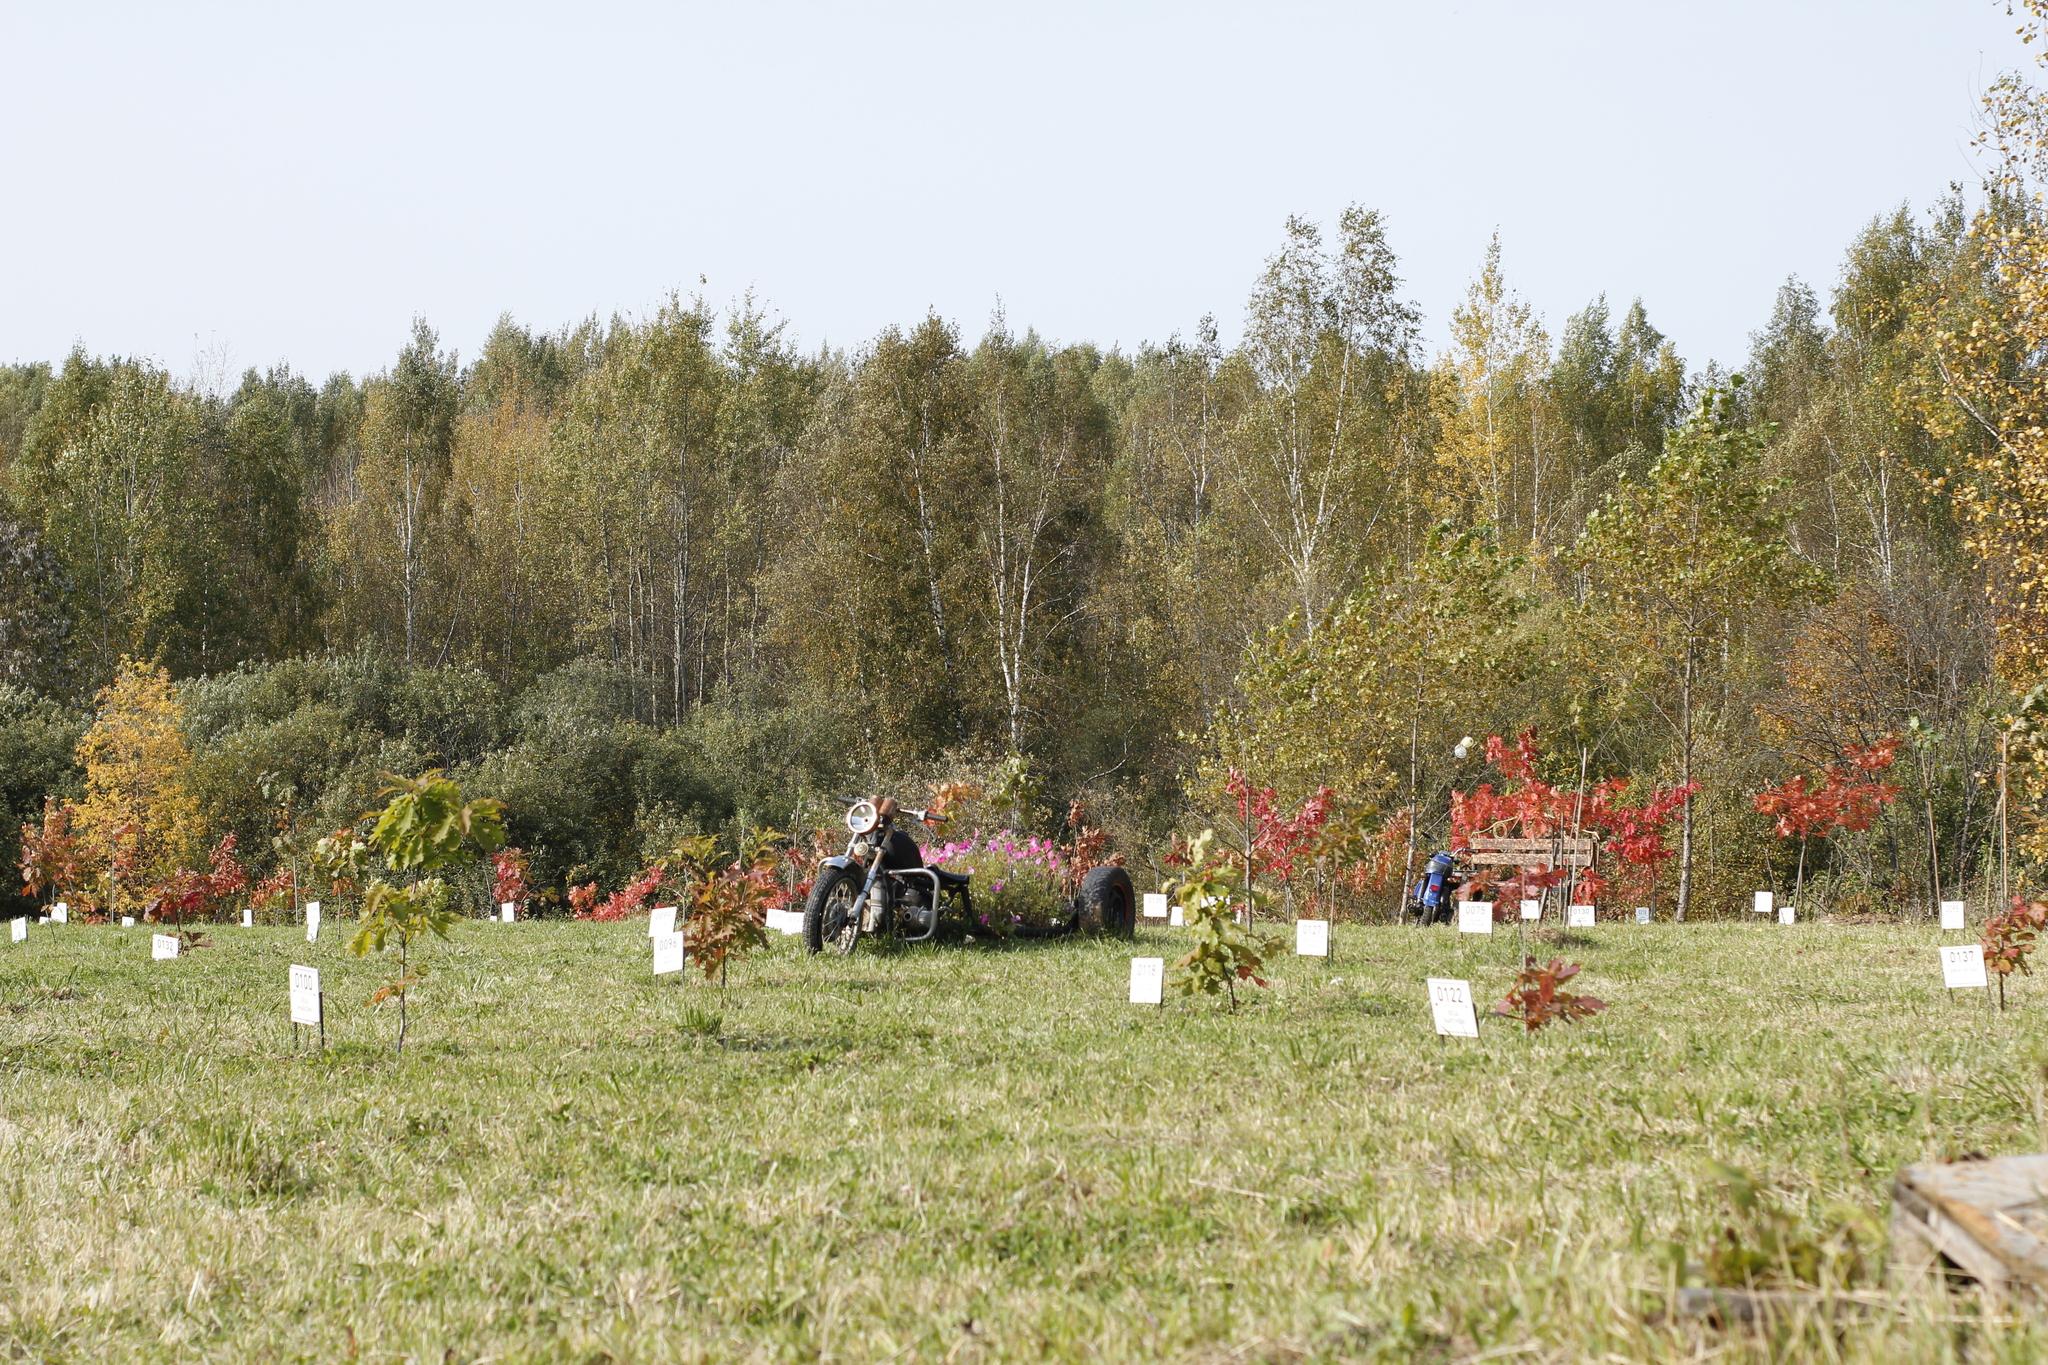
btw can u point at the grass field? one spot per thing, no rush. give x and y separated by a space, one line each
966 1153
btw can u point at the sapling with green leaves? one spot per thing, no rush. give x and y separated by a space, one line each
1225 952
426 827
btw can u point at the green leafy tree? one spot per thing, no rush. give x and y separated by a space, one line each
426 827
1679 567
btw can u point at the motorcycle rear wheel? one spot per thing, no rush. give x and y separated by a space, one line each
828 911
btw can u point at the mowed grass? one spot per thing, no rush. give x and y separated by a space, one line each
962 1153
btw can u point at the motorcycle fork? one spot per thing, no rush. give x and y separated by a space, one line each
867 892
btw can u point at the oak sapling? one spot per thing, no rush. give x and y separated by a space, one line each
2009 939
426 827
1539 997
1224 952
728 906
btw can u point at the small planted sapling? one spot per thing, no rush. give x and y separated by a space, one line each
1539 996
728 910
1224 951
2010 938
426 827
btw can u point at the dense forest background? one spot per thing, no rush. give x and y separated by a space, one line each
643 577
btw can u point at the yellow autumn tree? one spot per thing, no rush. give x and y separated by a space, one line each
1983 385
139 821
1496 434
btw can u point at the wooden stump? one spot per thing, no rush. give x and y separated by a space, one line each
1988 1219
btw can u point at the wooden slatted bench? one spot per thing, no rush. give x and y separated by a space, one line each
1556 851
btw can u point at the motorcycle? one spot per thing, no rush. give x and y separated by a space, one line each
881 885
1434 896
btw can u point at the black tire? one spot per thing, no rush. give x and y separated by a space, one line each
827 918
1106 903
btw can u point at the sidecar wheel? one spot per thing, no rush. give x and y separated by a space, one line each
1107 904
828 912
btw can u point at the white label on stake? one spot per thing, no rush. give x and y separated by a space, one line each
1963 966
1155 905
312 921
505 911
1578 917
127 921
1178 920
20 930
662 920
1642 914
1475 917
60 913
1148 980
305 995
1532 909
1762 903
1450 1003
786 921
668 953
248 917
163 946
1952 914
1787 914
1311 938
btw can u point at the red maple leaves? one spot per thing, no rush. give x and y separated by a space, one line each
1632 836
1843 801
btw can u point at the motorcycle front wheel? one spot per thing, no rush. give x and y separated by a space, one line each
828 913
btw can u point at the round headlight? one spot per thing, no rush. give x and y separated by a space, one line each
863 817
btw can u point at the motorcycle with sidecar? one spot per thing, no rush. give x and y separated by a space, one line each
882 886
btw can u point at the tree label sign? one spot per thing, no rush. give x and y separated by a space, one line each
1952 914
1642 914
248 917
163 946
312 921
1787 914
60 913
127 921
1178 919
20 931
1963 966
1148 980
1155 905
1762 903
1311 938
305 987
505 911
1532 909
1450 1004
668 953
661 920
786 921
1475 917
1578 917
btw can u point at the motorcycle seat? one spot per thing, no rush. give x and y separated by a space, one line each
952 878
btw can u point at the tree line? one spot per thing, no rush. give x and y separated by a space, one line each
642 576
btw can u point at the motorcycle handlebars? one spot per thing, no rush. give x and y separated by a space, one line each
928 817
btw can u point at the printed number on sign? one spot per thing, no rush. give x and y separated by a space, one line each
1962 966
1450 1005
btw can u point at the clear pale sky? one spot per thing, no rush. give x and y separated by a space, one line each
296 182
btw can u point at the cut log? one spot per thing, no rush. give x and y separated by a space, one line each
1987 1219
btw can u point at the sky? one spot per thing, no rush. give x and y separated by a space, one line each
216 187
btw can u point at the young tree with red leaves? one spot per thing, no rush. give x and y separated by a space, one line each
1633 836
1845 800
52 858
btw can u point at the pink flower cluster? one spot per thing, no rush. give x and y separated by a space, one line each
1030 849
